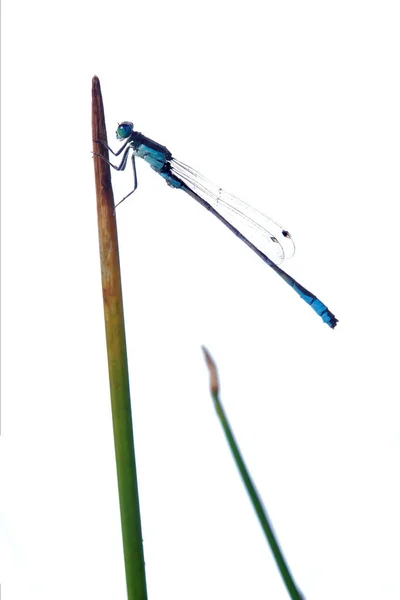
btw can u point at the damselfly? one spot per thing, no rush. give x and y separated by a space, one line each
256 230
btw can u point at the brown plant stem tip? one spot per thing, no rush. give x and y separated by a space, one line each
214 383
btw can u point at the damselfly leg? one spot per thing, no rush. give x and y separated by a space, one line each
122 165
110 149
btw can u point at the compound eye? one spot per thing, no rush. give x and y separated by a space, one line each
124 130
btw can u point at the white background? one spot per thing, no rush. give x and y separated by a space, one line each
293 106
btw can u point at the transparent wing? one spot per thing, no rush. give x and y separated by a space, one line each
265 233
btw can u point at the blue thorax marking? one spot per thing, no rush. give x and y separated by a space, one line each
157 156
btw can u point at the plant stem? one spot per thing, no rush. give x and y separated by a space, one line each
117 360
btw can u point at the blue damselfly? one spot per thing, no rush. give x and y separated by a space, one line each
263 235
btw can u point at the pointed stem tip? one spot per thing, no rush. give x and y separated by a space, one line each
214 384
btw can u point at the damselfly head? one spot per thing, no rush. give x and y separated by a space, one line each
124 130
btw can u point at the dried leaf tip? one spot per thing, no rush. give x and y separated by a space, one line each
214 384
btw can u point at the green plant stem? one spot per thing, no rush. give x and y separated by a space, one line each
117 361
294 592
